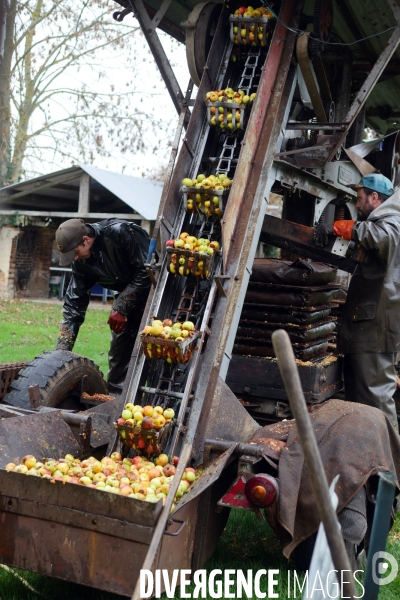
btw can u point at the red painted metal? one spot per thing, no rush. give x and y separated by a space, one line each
235 497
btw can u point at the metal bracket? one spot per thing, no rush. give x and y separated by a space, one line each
172 522
159 15
219 279
120 15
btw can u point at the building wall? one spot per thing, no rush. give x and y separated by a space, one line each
33 260
25 259
8 249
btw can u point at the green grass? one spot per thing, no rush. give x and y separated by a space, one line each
28 329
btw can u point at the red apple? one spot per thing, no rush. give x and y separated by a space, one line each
169 470
148 423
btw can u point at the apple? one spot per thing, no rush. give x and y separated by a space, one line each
126 414
148 411
148 423
175 461
121 421
116 456
162 460
159 422
84 480
169 413
190 476
185 485
169 470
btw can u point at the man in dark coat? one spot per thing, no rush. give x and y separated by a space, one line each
112 254
370 331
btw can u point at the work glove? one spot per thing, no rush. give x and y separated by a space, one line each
322 233
343 229
116 321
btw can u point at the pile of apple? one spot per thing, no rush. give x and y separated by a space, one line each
253 13
132 477
226 116
184 261
139 425
208 182
204 200
168 330
145 417
230 96
174 332
256 34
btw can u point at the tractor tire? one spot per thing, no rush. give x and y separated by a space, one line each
59 374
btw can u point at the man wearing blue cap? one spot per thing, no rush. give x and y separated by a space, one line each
369 336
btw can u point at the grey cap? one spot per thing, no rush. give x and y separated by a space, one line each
68 236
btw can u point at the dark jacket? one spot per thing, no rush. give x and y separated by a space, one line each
371 316
116 263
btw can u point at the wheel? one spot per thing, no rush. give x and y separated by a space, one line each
200 29
388 160
59 375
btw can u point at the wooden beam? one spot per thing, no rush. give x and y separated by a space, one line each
84 194
6 196
72 215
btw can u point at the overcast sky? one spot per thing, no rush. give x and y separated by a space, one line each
148 90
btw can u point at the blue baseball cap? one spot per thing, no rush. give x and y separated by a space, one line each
376 182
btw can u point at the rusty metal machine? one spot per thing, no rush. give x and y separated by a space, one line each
293 138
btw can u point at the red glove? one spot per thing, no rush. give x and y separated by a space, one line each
116 321
343 229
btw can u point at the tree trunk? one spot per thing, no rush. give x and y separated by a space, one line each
7 16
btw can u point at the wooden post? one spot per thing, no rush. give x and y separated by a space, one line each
84 194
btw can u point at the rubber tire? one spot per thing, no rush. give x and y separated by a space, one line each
58 373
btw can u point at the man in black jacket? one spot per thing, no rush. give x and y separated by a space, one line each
112 254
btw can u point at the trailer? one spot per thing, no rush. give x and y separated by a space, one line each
313 75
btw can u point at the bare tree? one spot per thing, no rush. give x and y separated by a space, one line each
58 102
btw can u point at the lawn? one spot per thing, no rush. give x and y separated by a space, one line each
29 329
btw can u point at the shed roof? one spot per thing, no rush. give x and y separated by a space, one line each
57 195
143 195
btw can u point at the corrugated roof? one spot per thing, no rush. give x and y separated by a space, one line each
143 195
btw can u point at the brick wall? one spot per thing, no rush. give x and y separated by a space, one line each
32 263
